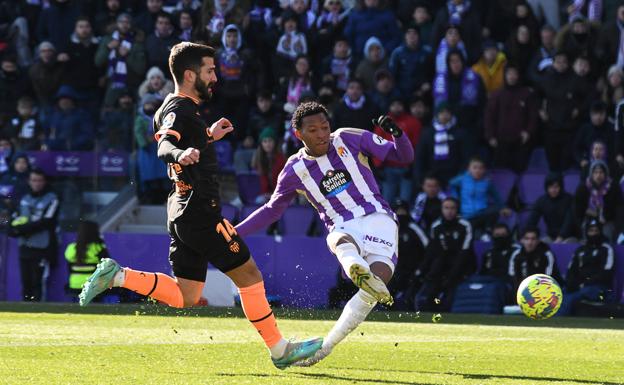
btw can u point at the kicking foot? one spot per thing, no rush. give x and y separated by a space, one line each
370 283
297 351
318 356
100 280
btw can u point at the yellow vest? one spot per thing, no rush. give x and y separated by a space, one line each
79 273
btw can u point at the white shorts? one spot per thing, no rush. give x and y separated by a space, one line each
376 235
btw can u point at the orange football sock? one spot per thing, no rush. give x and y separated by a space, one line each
259 313
159 286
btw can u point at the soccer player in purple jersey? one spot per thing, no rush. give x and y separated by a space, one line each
332 171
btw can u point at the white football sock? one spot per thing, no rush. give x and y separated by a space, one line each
354 313
119 278
277 350
347 255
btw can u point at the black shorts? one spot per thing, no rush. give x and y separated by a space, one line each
213 240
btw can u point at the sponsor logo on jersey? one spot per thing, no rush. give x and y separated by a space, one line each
374 239
379 140
342 152
334 182
168 120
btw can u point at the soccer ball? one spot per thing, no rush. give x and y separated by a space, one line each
539 296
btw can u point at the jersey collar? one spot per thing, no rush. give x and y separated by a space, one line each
183 95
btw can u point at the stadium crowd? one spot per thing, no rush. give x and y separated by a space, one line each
527 86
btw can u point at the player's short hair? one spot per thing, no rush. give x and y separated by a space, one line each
477 159
187 56
40 172
451 199
501 225
307 109
531 229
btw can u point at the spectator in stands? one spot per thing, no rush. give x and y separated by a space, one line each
340 65
6 154
448 260
259 36
428 204
268 161
385 91
610 42
372 20
56 22
520 48
542 59
69 128
152 172
412 243
480 202
305 16
495 262
452 41
80 71
463 90
355 109
534 257
46 74
555 208
156 84
374 60
599 128
83 255
186 25
291 45
465 16
235 68
591 269
523 15
491 67
585 84
559 112
593 10
441 148
511 121
34 225
329 27
159 42
14 83
17 178
578 38
420 108
117 127
547 11
264 114
244 155
410 63
146 20
421 17
396 178
24 128
106 17
597 197
613 91
122 53
298 83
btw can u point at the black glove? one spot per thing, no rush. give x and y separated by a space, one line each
387 124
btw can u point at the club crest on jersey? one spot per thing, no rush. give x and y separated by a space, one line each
342 152
379 140
334 182
168 120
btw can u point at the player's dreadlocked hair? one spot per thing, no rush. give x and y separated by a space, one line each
187 56
307 109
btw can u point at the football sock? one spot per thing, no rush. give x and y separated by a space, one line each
347 255
259 313
354 313
159 286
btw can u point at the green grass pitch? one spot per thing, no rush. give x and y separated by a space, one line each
147 344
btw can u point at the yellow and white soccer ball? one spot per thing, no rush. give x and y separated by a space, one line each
539 296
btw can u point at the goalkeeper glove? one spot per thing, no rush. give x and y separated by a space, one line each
387 124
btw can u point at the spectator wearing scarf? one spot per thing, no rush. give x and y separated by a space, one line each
462 15
355 109
452 40
597 198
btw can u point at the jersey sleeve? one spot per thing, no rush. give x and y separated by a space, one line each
374 145
171 126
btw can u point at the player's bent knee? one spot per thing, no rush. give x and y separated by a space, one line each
335 239
382 270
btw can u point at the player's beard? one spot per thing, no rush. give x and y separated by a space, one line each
203 89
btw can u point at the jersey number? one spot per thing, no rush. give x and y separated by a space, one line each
226 230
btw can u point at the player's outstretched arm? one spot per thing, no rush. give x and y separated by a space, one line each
400 151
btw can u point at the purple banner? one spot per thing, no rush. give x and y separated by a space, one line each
80 163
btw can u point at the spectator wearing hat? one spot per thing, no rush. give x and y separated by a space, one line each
290 45
555 208
146 20
155 84
17 178
611 40
520 48
451 41
559 113
543 57
268 161
578 37
598 128
374 60
491 67
591 269
339 66
56 22
355 109
117 126
440 150
69 128
24 128
511 121
410 63
372 20
495 262
122 55
598 150
396 178
385 91
46 74
464 15
597 197
159 42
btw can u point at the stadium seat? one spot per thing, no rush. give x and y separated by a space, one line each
248 187
530 187
504 180
225 156
571 180
229 212
297 220
538 161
